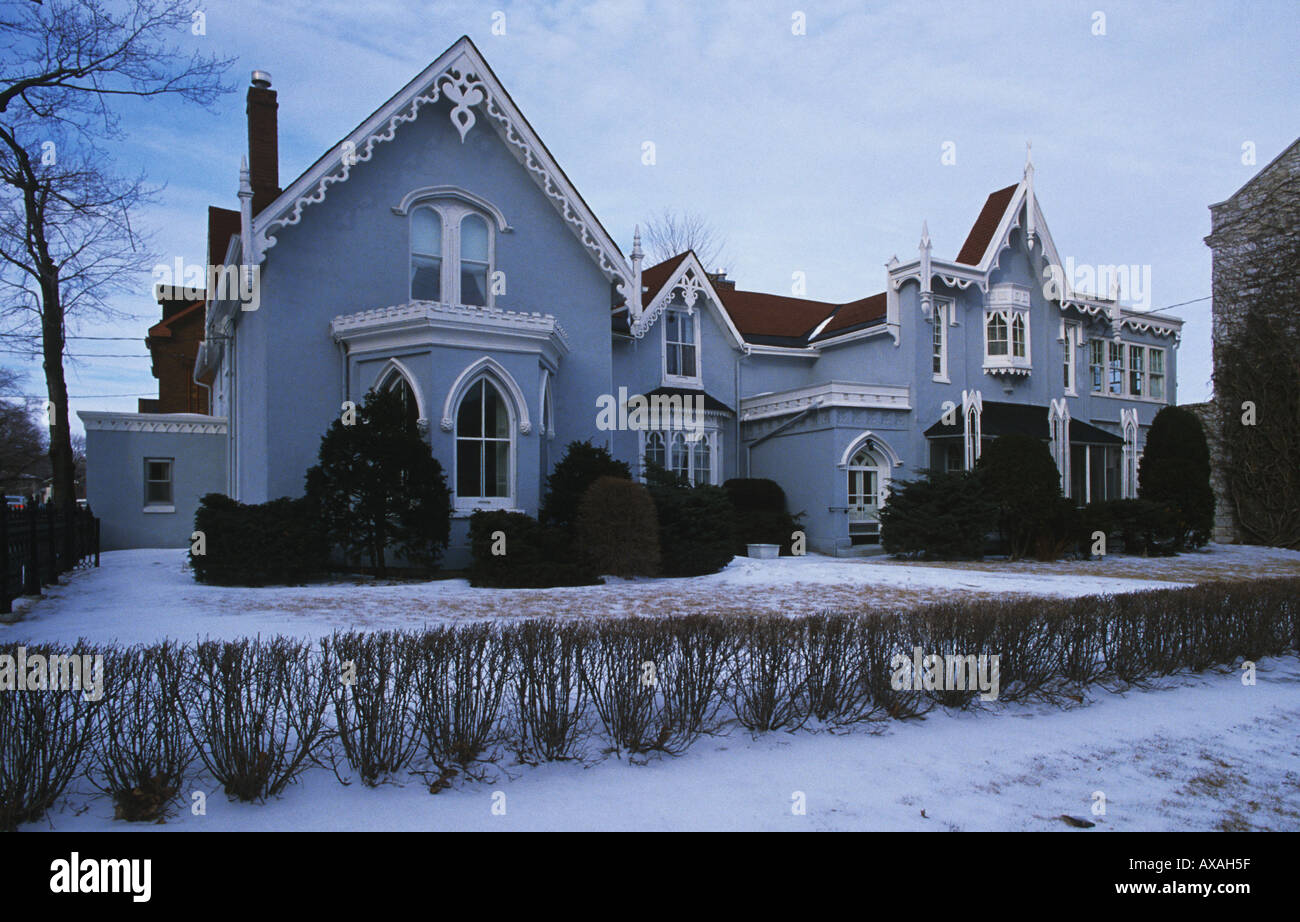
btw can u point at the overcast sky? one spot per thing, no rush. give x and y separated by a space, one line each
819 152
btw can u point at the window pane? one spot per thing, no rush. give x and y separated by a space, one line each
474 239
426 278
496 416
469 420
1116 377
681 459
702 462
997 335
473 284
426 232
654 449
1135 377
468 466
688 361
1018 336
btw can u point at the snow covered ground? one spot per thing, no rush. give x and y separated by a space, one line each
1199 753
145 595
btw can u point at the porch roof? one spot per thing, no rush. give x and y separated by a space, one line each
1024 419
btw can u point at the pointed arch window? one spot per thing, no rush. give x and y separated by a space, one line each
484 446
397 384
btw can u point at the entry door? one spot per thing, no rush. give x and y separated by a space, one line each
864 508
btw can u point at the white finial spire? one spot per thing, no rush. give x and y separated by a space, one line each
245 213
926 292
1031 221
637 256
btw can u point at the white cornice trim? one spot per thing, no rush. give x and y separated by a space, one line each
461 76
431 323
830 394
185 423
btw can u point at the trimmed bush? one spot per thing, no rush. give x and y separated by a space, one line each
1020 478
1175 472
374 702
461 680
942 516
1131 526
282 541
379 490
760 514
582 465
531 555
618 530
696 528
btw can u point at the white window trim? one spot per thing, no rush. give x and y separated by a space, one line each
698 378
1070 358
451 212
941 316
714 435
1126 392
1010 361
170 504
470 504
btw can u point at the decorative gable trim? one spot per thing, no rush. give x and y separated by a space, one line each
461 75
690 280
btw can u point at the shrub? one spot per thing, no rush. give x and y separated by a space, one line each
534 556
1141 527
582 465
1175 472
378 487
942 516
551 701
45 737
618 532
252 545
256 712
768 676
374 701
696 528
461 678
624 675
144 747
760 513
1020 478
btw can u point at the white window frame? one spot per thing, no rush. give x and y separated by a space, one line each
1070 357
710 436
468 504
1152 352
698 378
451 212
169 504
1123 368
1100 387
941 317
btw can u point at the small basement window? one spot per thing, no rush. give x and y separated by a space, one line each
158 484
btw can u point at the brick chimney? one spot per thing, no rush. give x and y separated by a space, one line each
263 143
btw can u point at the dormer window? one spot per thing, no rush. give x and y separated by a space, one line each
681 346
1006 330
451 254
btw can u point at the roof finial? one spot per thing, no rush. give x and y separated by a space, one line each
636 242
1029 158
924 270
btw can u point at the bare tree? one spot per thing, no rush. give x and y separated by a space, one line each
67 241
672 232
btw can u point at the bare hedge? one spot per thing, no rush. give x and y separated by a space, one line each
450 701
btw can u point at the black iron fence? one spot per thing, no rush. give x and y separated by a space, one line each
40 542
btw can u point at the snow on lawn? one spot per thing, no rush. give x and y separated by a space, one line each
143 595
1199 753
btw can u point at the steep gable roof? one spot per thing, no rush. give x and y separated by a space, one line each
986 225
461 76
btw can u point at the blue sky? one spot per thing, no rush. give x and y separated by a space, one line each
817 153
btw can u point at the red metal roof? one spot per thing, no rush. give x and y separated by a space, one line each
981 232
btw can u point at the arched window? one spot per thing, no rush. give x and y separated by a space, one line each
654 449
426 255
451 253
483 444
397 383
680 451
474 260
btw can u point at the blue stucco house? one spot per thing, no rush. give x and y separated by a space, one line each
441 250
